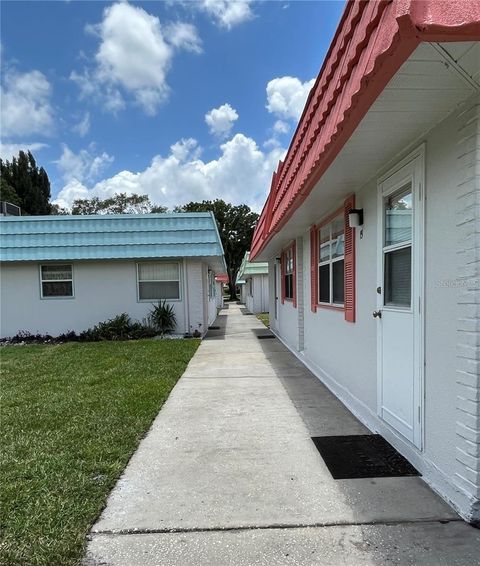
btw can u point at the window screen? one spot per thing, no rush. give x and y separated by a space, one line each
57 280
331 279
157 281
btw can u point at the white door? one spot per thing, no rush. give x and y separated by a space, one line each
400 299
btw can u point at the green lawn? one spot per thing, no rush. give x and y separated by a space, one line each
264 317
71 417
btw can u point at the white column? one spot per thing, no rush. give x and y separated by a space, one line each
467 476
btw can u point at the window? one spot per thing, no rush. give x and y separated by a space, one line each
211 285
397 248
331 262
250 287
288 273
56 281
158 281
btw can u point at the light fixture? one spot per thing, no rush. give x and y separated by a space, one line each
355 218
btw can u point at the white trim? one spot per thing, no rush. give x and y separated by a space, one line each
330 261
460 71
61 297
416 172
179 281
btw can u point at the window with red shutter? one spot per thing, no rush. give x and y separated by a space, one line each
294 274
313 269
349 263
332 257
289 275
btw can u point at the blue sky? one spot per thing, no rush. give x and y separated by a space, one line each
179 100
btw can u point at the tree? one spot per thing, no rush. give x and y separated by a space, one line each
8 193
25 184
118 204
236 225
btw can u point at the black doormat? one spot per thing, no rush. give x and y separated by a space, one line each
214 328
362 456
265 336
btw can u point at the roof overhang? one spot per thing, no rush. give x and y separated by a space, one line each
112 237
369 87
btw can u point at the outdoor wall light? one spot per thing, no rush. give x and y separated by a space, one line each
355 218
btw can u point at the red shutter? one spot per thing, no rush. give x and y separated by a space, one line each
294 278
282 275
349 263
313 269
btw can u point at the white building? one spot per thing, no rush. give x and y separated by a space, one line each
372 232
220 282
61 273
252 279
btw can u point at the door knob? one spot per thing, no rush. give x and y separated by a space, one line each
377 314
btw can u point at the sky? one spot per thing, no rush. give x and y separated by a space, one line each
180 100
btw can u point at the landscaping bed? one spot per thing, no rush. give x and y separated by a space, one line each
71 416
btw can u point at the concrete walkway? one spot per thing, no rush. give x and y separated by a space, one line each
228 475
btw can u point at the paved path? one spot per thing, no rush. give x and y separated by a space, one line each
228 475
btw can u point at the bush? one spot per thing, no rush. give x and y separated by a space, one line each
121 327
162 317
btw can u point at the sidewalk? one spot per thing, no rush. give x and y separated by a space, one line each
228 475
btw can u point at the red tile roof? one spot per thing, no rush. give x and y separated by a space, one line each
374 38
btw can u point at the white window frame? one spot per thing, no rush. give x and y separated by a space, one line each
179 281
330 261
250 286
72 280
211 285
289 270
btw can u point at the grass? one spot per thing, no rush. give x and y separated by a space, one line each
265 318
71 417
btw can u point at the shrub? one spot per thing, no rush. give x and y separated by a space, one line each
120 327
163 317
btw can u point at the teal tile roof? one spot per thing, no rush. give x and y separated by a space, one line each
119 236
248 268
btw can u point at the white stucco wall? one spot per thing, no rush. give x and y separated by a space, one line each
195 295
101 290
243 293
212 307
259 301
219 294
344 355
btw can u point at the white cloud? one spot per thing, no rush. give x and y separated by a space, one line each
133 58
286 96
83 127
227 13
183 36
26 107
9 150
241 174
220 120
281 127
186 149
82 166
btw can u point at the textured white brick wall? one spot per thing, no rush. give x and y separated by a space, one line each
467 476
300 295
196 298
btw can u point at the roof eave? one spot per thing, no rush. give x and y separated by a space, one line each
406 24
